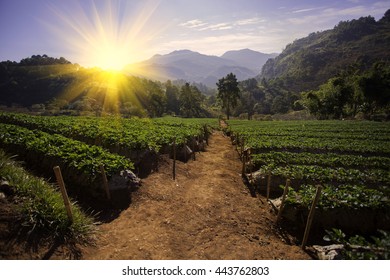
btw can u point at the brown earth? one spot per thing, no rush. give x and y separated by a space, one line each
206 213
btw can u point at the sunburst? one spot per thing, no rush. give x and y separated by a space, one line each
109 36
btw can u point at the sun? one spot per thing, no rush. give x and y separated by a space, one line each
109 36
106 34
110 57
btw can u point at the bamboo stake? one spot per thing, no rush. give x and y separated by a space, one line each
283 200
269 184
174 159
311 216
61 184
105 182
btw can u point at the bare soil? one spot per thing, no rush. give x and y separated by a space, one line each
206 213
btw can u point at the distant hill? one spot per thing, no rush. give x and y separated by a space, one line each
248 58
311 61
200 68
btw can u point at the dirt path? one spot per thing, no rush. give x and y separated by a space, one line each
207 213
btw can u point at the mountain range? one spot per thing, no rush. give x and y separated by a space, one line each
200 68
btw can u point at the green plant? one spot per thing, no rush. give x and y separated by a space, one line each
359 248
41 205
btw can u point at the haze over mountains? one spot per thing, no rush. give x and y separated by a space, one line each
196 67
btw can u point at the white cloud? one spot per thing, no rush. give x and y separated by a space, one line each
304 10
267 33
195 23
219 26
250 21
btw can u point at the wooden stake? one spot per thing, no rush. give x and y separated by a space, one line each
193 148
242 147
174 159
269 184
61 184
250 162
243 164
311 216
283 200
105 182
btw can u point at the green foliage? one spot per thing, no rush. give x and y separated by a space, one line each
342 196
228 92
317 65
359 248
350 158
43 60
65 88
190 101
117 134
311 61
42 207
75 154
350 93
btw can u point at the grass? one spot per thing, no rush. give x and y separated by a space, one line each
41 205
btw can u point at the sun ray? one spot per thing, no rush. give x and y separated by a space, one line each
108 35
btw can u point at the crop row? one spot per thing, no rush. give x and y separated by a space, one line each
350 159
358 128
343 196
315 173
328 160
117 134
80 162
261 143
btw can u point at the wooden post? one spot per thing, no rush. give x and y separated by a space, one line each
243 163
206 133
193 148
105 182
311 216
242 147
237 141
269 184
174 159
283 199
250 161
61 184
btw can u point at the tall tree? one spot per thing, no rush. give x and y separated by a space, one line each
172 96
228 92
190 101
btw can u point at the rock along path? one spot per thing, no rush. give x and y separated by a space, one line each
206 213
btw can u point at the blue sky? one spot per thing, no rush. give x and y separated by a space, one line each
85 31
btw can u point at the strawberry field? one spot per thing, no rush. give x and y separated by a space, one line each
351 160
81 145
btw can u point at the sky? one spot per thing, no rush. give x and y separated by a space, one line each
110 34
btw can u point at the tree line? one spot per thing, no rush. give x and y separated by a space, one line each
56 86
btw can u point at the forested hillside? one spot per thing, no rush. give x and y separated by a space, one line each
309 62
56 86
338 73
